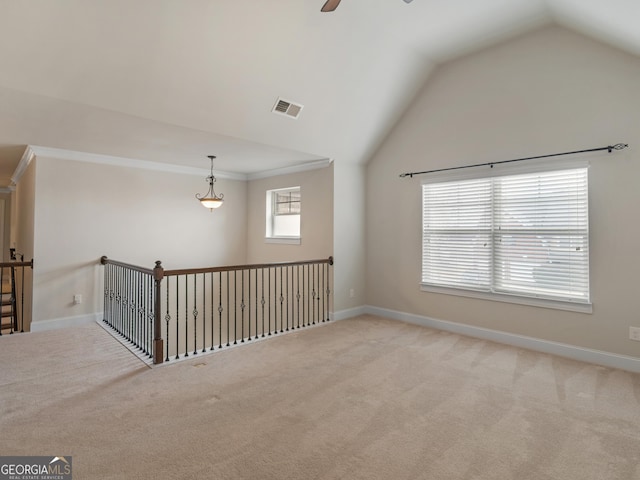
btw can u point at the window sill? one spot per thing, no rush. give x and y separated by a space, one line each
520 300
284 240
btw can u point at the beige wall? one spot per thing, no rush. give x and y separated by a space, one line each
546 92
349 237
316 221
85 210
22 221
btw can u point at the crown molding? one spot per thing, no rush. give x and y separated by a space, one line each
33 151
315 165
63 154
24 162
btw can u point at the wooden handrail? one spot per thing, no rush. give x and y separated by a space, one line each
16 264
232 268
104 261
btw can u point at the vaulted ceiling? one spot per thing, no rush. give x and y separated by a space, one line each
173 81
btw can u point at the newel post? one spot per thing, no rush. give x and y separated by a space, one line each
158 344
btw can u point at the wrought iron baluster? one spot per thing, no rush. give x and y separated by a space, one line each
130 306
249 305
235 307
242 306
186 315
298 296
137 304
204 311
212 315
281 303
220 310
313 293
309 294
195 314
256 319
228 309
167 319
286 271
22 302
2 282
324 277
269 298
151 306
317 267
329 286
262 301
177 317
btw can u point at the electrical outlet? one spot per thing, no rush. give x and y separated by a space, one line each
634 333
352 293
77 299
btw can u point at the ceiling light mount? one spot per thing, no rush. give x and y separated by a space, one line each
210 200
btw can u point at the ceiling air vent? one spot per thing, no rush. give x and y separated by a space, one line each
285 107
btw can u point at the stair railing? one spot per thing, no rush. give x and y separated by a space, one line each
12 289
173 314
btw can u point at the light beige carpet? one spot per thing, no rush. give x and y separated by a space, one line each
365 398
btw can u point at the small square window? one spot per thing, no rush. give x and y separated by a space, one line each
283 215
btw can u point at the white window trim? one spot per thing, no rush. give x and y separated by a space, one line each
280 239
495 171
284 240
509 298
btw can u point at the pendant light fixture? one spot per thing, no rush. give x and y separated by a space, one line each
210 200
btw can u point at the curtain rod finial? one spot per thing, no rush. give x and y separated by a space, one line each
618 146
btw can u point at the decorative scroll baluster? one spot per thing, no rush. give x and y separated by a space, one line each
186 315
242 306
204 312
256 277
298 295
313 293
324 278
235 307
177 319
249 305
167 319
220 310
262 301
310 293
195 314
317 267
286 271
281 303
212 315
328 287
269 297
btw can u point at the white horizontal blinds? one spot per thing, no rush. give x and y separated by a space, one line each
286 202
541 235
456 226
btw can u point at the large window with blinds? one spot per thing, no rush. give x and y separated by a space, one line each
523 235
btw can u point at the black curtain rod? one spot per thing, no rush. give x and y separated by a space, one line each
610 148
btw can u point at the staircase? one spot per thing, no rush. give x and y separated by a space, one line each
8 306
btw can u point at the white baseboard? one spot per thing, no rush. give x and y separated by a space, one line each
348 313
598 357
65 322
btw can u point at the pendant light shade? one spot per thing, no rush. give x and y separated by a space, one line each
210 200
